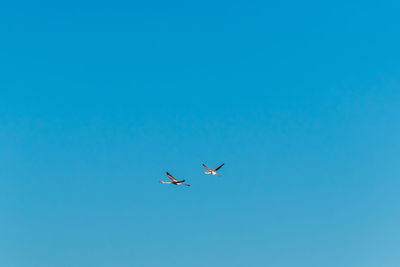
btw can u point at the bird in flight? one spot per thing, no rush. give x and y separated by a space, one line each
214 172
174 181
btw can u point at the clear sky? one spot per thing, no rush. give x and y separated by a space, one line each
299 99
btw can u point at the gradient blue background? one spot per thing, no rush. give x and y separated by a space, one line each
299 99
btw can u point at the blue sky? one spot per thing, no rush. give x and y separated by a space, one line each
300 100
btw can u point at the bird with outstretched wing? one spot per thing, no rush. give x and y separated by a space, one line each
214 172
174 181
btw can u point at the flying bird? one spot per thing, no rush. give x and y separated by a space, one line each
174 181
214 172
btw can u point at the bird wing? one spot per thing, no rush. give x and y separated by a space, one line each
171 177
206 167
219 167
